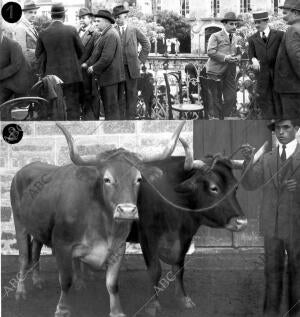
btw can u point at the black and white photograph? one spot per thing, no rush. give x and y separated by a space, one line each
150 158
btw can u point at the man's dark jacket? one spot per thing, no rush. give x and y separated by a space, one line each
287 68
63 49
266 54
106 59
15 72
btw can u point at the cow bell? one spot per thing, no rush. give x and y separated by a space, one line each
126 212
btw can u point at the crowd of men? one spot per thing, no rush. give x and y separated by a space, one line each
100 60
275 56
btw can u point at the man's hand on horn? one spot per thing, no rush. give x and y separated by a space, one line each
247 150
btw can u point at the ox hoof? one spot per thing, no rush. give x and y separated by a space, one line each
38 282
79 284
20 295
117 315
187 302
153 308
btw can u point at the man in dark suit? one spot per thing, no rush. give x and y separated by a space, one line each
131 37
106 65
263 49
88 34
277 174
287 68
16 78
221 65
62 48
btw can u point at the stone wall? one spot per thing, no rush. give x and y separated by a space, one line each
43 141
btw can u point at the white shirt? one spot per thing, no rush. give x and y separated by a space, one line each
290 148
266 31
123 28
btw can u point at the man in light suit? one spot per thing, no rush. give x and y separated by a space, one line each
287 68
277 175
131 37
221 65
63 49
263 49
26 34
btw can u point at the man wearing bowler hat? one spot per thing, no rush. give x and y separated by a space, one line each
106 65
62 48
131 37
263 49
26 34
87 32
221 65
287 67
277 176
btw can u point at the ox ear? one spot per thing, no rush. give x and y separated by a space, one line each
187 186
87 174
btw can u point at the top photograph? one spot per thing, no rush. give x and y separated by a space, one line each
149 60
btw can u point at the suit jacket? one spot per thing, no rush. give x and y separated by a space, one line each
62 48
287 68
14 70
89 47
132 37
106 59
266 54
87 36
26 35
266 174
217 48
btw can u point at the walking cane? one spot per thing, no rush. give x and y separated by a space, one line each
98 95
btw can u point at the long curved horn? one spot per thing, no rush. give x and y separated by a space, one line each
238 164
168 150
189 162
74 155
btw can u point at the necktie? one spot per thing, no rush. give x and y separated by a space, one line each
265 39
283 153
230 37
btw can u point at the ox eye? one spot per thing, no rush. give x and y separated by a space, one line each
107 180
214 189
139 180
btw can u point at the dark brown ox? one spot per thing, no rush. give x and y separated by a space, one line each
189 194
83 211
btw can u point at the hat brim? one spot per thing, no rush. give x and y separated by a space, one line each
83 15
112 20
32 8
261 19
121 12
58 12
290 8
232 20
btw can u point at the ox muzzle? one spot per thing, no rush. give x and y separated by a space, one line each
126 212
237 224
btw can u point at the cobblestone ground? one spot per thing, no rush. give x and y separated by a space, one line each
217 292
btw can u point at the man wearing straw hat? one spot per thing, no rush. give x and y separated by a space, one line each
221 65
287 68
263 49
26 34
63 49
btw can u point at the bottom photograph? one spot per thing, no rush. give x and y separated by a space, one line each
157 218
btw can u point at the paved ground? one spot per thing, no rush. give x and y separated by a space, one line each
218 290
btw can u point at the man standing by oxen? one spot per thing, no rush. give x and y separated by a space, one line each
221 66
278 175
106 65
131 37
62 48
263 49
287 68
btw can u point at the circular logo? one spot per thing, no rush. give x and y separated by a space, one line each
11 12
12 133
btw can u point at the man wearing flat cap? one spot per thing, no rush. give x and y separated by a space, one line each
26 34
263 49
287 68
221 65
62 48
87 33
277 175
106 65
131 37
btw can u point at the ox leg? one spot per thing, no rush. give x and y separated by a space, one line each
180 293
112 275
78 279
36 252
24 245
64 264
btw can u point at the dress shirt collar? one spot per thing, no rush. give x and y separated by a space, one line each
267 32
289 149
